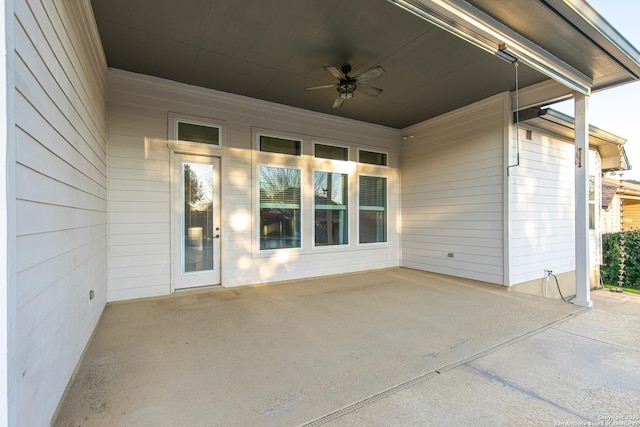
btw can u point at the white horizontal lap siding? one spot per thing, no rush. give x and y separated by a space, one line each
542 208
610 216
452 200
139 187
139 203
60 179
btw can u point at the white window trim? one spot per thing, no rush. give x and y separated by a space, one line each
332 248
256 210
386 212
595 161
329 144
386 153
190 146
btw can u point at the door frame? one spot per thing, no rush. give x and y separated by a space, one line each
177 157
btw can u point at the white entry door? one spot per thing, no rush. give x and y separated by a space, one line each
196 221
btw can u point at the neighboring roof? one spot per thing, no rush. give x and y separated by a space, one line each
609 190
272 50
627 190
609 146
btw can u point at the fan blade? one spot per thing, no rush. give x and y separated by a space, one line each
369 90
334 72
338 102
320 87
369 74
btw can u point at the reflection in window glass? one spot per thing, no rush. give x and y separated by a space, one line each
198 218
373 209
198 133
331 152
372 158
272 144
279 207
331 201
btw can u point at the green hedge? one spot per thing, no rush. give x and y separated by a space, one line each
610 269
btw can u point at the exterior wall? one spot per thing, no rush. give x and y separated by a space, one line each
60 200
547 286
140 185
8 376
543 211
542 208
452 197
631 215
610 218
623 213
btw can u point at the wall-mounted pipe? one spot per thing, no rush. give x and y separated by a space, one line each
548 274
517 120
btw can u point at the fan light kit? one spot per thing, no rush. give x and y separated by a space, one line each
348 85
346 89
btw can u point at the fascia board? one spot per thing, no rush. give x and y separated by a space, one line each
471 24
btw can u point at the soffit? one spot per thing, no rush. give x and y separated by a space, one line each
609 146
555 27
272 50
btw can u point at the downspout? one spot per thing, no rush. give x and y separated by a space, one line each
517 120
506 199
506 191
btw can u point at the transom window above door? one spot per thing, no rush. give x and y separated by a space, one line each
200 133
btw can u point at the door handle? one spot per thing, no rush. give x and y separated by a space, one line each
217 236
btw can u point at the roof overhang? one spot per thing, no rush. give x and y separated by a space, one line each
463 20
609 146
443 55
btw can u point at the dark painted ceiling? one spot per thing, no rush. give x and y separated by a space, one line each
273 49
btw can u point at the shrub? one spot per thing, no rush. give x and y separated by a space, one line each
611 256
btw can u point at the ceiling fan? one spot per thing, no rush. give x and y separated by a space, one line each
347 85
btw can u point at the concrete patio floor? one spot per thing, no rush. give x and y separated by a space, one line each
388 347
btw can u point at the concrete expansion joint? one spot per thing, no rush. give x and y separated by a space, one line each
423 377
626 348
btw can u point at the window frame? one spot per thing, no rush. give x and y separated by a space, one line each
347 209
258 145
386 153
172 131
592 218
315 143
258 217
595 172
386 209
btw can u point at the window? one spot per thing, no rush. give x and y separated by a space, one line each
592 202
280 214
372 158
272 144
373 209
194 132
332 152
331 200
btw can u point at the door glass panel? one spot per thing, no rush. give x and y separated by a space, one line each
197 218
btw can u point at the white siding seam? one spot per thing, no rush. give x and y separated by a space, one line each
25 62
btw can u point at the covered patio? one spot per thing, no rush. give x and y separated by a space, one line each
373 348
425 173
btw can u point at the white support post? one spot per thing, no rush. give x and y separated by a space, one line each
583 285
